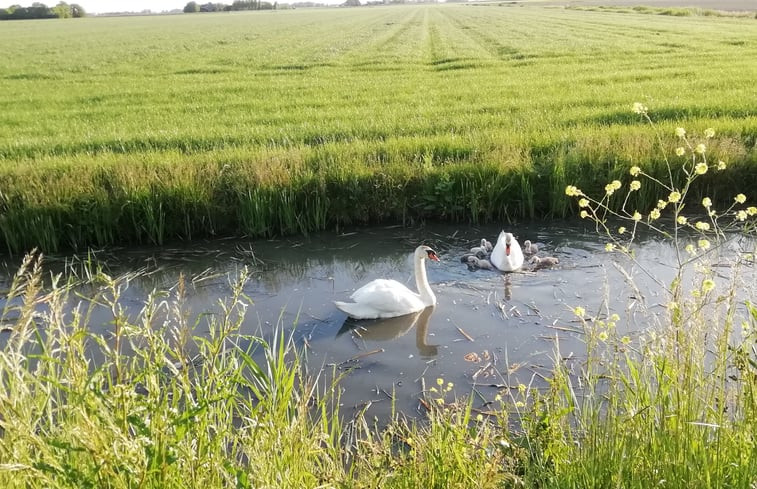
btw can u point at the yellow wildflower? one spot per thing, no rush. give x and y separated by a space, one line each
612 187
690 249
609 247
741 198
701 148
702 226
721 165
661 204
621 229
680 151
703 244
603 335
635 170
572 191
655 214
579 311
639 108
751 210
636 216
583 203
680 132
741 215
709 133
635 185
700 168
707 285
625 340
674 197
584 214
707 202
682 220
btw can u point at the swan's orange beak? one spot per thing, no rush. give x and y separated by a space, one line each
507 250
432 255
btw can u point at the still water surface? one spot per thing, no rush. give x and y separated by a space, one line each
490 331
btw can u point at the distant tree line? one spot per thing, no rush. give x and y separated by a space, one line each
261 5
41 11
237 5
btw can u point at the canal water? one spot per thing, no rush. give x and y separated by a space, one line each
489 332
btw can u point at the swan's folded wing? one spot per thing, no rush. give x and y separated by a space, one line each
388 296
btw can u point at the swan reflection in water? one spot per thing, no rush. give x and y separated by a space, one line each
391 328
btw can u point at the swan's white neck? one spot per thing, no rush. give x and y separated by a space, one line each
421 281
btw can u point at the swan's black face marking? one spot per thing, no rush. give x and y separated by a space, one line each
432 255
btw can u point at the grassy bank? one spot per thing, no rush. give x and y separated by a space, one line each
150 404
159 128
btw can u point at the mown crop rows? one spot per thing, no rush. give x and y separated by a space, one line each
155 128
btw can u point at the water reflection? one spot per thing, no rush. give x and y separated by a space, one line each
393 328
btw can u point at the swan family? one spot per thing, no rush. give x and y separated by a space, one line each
382 298
507 255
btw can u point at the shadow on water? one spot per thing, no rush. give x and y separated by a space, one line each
489 331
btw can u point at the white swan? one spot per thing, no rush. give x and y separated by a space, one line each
507 255
383 298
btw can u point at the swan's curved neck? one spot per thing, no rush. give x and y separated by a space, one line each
421 281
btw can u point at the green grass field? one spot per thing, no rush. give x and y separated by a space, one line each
148 129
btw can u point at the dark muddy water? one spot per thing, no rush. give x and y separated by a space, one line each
490 331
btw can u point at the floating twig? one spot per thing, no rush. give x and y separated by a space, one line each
464 333
362 355
563 328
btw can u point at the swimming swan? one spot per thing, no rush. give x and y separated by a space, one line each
483 250
383 298
474 262
507 255
544 262
530 248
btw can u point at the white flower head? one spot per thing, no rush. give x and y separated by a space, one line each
639 108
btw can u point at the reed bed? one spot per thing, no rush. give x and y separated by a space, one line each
151 129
